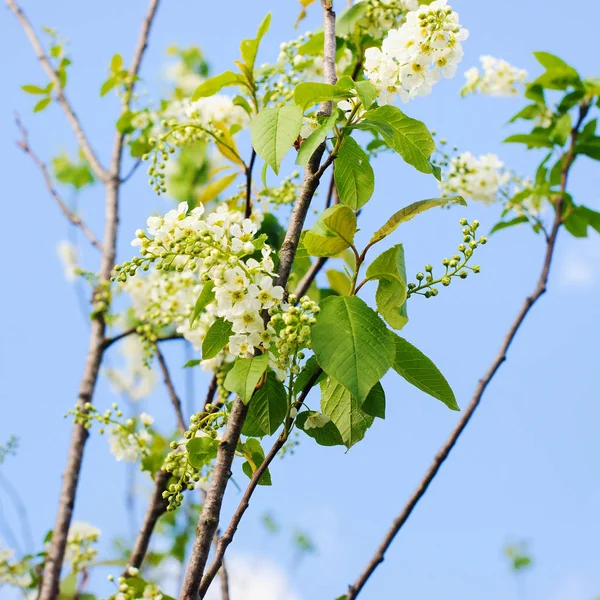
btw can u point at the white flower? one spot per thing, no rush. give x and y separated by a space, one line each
316 421
264 291
146 419
499 78
68 256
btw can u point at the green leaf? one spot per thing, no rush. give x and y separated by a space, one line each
332 233
559 75
245 374
274 131
216 338
562 130
249 48
42 104
591 148
267 409
345 412
339 282
253 452
408 137
352 344
215 187
216 84
309 94
194 362
306 375
33 89
418 370
374 405
348 19
116 63
108 85
124 124
315 139
593 217
367 93
206 296
412 210
531 111
327 435
201 450
532 140
505 224
389 268
353 174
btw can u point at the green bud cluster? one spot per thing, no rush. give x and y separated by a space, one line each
130 590
456 266
284 195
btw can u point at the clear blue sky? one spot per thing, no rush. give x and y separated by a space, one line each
527 468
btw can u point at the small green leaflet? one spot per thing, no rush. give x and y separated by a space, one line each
328 435
389 268
216 84
245 375
352 344
332 233
353 175
315 139
339 282
505 224
249 48
207 295
309 94
531 140
418 370
201 450
274 131
267 409
254 454
216 338
410 211
345 412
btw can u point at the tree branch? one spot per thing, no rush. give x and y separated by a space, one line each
23 143
99 171
249 169
171 389
483 383
49 588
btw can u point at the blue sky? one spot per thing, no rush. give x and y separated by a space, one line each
527 466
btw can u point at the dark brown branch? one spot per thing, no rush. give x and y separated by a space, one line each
171 389
249 169
49 588
97 168
227 537
483 383
310 275
23 143
210 515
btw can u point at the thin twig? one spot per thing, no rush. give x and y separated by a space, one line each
483 383
23 143
132 171
249 169
171 389
99 171
227 537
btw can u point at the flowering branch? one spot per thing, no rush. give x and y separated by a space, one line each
23 143
100 172
483 383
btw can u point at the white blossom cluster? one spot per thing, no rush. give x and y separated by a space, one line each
382 15
134 379
413 57
476 177
14 572
79 550
67 253
497 78
216 249
129 443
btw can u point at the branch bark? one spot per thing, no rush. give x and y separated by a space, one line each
171 389
483 383
209 517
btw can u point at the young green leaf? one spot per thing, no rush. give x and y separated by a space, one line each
389 268
42 104
33 89
249 48
309 94
267 409
245 374
216 338
274 131
538 139
349 18
326 435
408 137
410 211
216 84
206 296
367 93
339 282
332 233
374 404
255 456
505 224
315 139
353 175
201 450
418 370
352 344
345 412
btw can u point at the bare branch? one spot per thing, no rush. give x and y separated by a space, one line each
310 276
249 169
23 143
171 389
483 383
100 172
